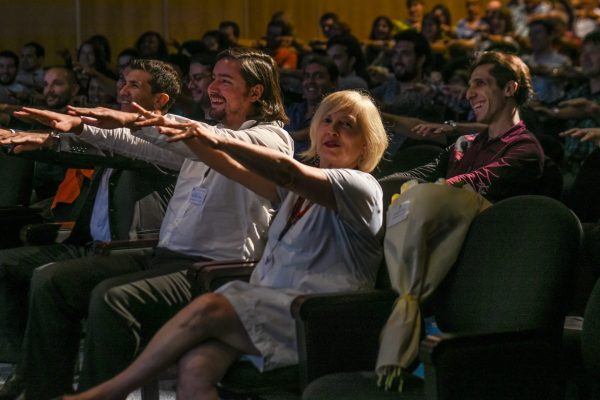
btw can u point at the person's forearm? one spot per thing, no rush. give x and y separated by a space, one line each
401 125
301 134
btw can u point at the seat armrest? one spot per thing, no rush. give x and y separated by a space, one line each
121 246
338 332
206 276
497 365
40 234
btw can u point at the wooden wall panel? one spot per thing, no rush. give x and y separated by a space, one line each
49 22
53 22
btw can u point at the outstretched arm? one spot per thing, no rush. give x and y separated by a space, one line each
584 134
259 168
55 120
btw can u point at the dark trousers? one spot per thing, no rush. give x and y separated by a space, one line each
16 269
62 294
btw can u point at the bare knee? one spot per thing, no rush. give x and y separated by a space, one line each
206 312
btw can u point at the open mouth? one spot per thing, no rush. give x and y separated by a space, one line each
477 106
331 144
215 101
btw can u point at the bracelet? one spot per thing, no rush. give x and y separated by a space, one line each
12 130
451 124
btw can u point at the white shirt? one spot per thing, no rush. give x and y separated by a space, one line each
209 215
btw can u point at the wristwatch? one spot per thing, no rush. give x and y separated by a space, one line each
55 144
451 124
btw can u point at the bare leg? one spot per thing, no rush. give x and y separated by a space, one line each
200 369
210 316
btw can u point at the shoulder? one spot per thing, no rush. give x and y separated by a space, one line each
353 180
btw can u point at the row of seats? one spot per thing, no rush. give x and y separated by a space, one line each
501 310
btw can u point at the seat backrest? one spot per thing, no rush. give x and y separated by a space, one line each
551 182
514 269
590 340
583 197
408 158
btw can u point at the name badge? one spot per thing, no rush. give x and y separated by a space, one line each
397 213
198 195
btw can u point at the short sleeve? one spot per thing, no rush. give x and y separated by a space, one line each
358 197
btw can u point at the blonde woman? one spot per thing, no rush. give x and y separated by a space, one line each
326 237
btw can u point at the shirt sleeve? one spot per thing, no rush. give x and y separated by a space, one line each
270 135
122 142
359 199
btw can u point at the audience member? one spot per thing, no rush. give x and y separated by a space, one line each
339 197
11 92
380 41
245 98
346 53
126 198
151 45
279 45
580 109
320 77
545 62
503 159
31 73
232 30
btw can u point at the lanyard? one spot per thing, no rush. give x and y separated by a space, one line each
295 215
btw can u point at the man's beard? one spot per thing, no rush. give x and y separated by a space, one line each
405 76
217 115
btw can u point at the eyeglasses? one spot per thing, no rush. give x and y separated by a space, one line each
197 77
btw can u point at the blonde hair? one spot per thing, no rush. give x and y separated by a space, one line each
369 122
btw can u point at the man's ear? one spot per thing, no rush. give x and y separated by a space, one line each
510 88
160 100
256 92
74 90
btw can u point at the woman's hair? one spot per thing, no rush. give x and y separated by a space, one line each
368 119
389 23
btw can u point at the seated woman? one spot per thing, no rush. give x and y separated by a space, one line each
326 237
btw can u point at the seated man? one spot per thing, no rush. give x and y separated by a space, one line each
319 78
125 197
503 160
208 217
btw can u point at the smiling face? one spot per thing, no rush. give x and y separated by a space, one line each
58 88
199 78
339 140
136 87
231 99
487 99
316 83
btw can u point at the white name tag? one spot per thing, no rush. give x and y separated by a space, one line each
198 195
397 213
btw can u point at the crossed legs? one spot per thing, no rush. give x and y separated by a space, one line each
204 338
